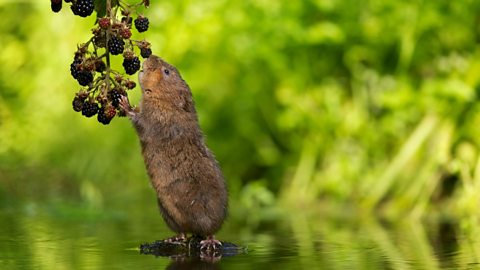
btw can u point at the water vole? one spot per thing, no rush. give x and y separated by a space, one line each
191 190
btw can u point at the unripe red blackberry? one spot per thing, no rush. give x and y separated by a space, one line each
56 5
116 45
89 109
145 52
84 77
82 8
131 65
110 111
141 23
125 33
104 22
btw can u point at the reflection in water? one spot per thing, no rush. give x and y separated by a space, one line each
46 241
192 264
445 242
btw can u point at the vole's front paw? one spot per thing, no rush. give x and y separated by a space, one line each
125 106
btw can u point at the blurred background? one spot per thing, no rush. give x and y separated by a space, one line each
343 107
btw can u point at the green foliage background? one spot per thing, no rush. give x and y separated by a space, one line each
313 103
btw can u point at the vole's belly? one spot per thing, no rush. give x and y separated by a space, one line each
189 204
190 188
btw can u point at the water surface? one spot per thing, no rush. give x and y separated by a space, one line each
33 239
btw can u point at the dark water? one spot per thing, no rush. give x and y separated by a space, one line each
33 239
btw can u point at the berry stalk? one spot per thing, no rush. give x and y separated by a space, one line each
107 53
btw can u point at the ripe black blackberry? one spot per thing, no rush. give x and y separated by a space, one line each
102 117
131 65
141 23
115 45
145 52
115 96
83 8
89 109
74 67
84 77
56 5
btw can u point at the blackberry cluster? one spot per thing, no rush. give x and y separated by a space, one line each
102 87
141 23
131 65
82 8
116 45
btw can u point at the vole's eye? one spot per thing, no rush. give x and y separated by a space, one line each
166 71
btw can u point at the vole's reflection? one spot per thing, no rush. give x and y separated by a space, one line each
192 263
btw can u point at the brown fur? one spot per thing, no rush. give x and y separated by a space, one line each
191 190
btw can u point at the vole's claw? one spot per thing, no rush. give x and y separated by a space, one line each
210 243
178 239
125 106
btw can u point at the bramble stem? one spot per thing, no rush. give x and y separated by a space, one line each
107 53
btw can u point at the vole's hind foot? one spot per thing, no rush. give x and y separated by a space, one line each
210 244
178 239
126 107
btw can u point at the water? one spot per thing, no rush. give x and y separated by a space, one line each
33 239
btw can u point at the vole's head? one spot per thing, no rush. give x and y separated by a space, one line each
161 81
